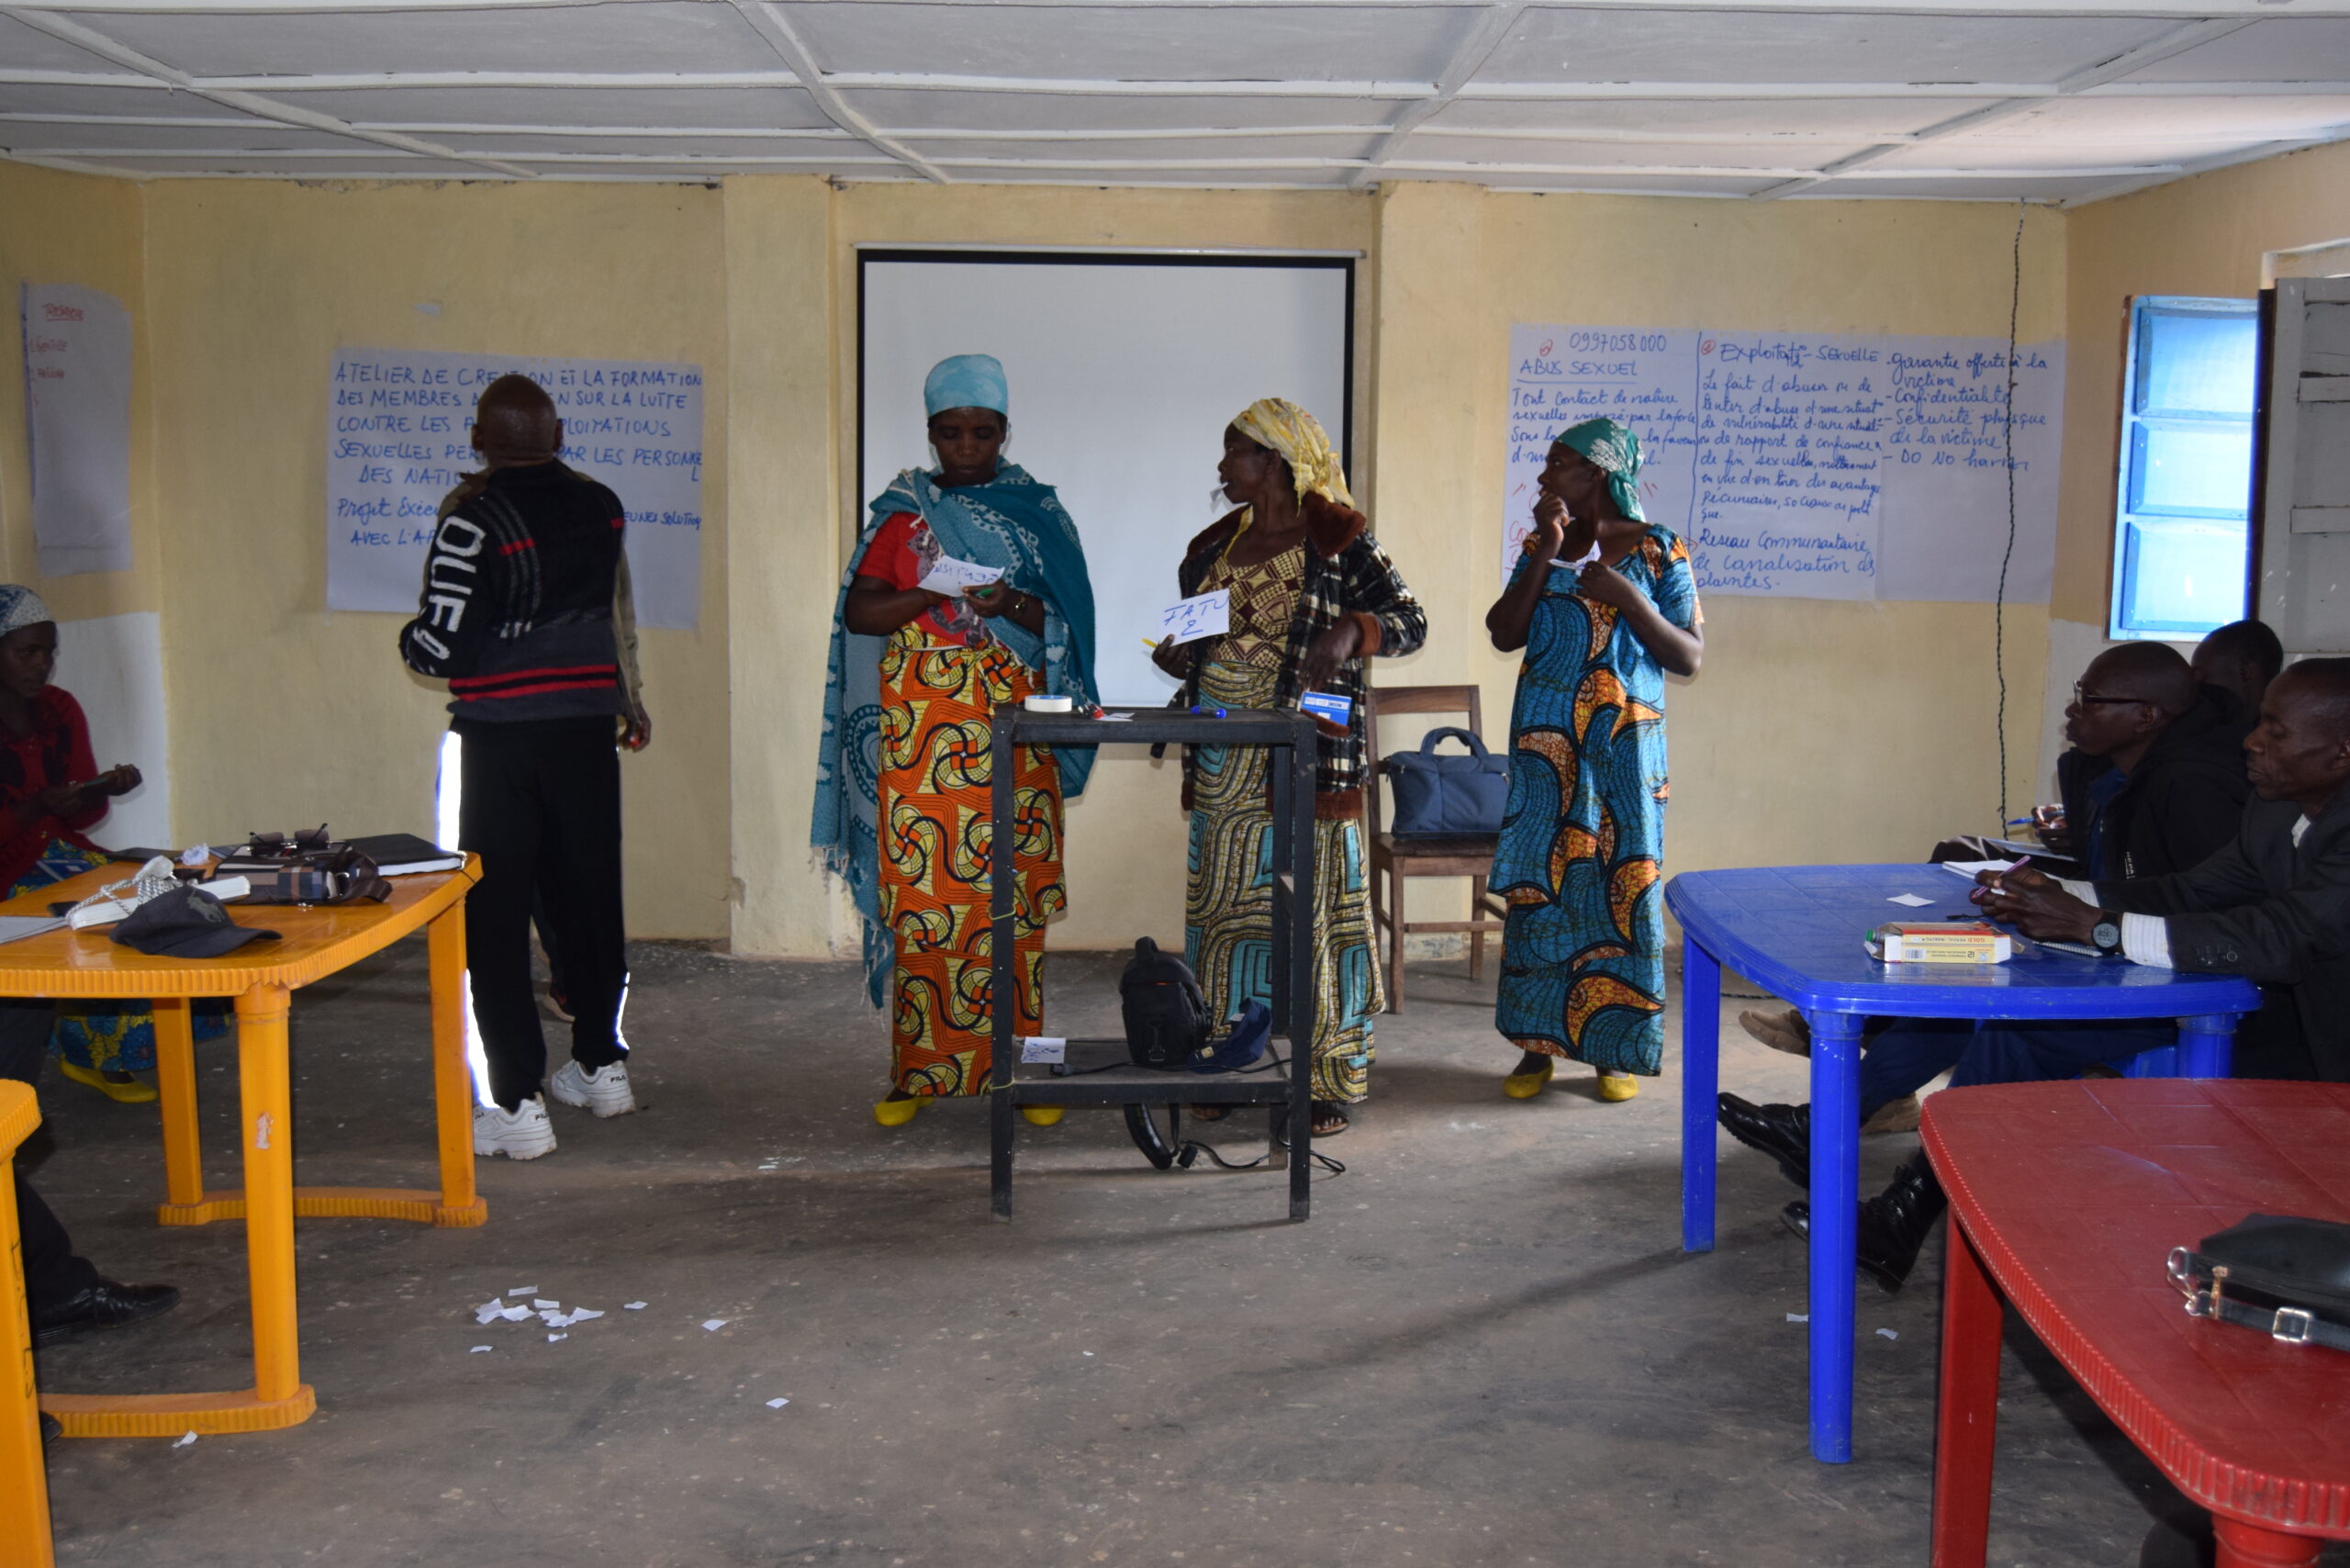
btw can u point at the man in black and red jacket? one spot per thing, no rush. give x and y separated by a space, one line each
516 615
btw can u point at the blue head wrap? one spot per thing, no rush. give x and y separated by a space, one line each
966 381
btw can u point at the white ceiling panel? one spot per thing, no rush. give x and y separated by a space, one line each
1839 117
662 35
1152 43
2020 99
1804 155
917 111
2279 48
20 99
1622 45
26 47
712 108
193 142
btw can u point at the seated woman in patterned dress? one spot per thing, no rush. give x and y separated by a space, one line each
1604 605
904 773
52 793
1313 597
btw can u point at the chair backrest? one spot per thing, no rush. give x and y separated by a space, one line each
1392 700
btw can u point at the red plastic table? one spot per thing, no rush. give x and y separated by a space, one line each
2064 1200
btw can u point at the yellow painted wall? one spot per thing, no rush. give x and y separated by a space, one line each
1816 730
284 711
64 228
2204 236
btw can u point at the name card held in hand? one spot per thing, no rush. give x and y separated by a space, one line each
951 576
1201 615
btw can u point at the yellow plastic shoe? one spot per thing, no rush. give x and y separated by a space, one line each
1526 1085
1615 1087
136 1092
1041 1116
896 1113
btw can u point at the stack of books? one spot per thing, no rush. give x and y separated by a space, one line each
1941 942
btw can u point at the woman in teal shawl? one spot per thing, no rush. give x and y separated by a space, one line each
904 771
1604 605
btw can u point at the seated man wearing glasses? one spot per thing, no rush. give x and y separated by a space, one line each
2153 785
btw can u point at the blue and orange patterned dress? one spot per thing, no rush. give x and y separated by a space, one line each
1583 844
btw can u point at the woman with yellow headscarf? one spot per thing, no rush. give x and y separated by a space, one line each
1605 606
1312 597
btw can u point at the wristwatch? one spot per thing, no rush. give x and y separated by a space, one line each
2107 933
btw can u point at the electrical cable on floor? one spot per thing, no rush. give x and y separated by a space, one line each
2000 599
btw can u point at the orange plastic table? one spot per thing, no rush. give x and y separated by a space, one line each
2064 1200
24 1483
316 942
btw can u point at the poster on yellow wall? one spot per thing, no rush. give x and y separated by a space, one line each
1813 465
397 427
77 406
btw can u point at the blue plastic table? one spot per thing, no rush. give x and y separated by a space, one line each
1796 932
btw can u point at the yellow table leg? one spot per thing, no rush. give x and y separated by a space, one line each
265 1076
24 1480
453 1078
183 1145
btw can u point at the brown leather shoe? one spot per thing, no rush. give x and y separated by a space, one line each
1896 1116
1781 1031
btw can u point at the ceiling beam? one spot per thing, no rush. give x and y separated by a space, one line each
769 22
2161 47
98 43
2033 8
1469 57
2218 161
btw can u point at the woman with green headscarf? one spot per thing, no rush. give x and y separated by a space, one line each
1604 605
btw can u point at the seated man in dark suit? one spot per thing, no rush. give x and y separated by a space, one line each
2155 784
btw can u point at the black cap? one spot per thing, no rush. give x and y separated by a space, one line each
187 923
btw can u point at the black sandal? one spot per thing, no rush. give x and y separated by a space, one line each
1323 1110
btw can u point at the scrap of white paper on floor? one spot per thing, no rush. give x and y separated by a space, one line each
714 1323
777 1403
951 576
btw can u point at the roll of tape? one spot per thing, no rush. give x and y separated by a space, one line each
1050 704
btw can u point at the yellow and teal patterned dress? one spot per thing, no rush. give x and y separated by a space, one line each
1583 844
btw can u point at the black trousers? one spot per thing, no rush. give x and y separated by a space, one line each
25 1026
53 1275
542 808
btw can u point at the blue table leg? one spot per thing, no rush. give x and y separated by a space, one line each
1835 1203
1701 1022
2207 1046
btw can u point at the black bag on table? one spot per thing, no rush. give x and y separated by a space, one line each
1166 1018
1448 795
2288 1277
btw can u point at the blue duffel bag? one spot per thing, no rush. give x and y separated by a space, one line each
1448 795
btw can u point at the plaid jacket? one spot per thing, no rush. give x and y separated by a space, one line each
1347 578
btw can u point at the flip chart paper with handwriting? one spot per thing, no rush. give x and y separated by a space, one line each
1201 615
77 412
398 422
1810 464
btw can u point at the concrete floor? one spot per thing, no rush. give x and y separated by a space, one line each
1485 1348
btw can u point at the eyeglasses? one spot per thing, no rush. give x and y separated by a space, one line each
2086 700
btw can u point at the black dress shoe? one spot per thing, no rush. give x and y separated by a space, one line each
103 1305
1892 1227
1782 1132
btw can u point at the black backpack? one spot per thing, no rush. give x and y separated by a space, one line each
1166 1018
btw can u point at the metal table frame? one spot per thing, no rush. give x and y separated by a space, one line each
1292 1001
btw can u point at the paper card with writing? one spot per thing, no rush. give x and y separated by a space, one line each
1044 1048
1201 615
949 575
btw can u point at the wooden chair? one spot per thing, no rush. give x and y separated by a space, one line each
1394 859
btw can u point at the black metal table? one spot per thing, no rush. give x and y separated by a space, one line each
1293 999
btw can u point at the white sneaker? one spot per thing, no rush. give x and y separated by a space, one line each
604 1092
523 1133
